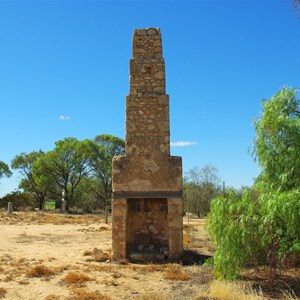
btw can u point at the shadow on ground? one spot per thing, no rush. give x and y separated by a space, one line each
191 257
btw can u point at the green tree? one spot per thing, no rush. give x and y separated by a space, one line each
200 187
4 170
30 181
263 228
88 197
102 149
66 165
277 142
20 200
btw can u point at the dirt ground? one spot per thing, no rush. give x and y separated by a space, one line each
40 254
51 257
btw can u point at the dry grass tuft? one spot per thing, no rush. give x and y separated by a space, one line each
174 272
227 291
3 291
104 227
80 294
151 268
153 296
40 271
177 276
88 253
76 279
123 262
52 297
187 239
104 268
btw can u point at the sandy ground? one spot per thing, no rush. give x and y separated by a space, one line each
63 245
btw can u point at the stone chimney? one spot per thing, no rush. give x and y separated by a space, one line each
147 181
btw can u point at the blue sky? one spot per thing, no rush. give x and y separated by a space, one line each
64 72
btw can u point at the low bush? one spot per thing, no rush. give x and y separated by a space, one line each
40 271
252 232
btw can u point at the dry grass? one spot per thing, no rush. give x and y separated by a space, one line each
187 238
100 268
52 297
80 294
153 296
221 290
40 271
122 280
174 272
76 279
88 253
48 218
104 227
177 276
3 291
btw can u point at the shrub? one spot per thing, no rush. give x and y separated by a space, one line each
74 278
40 271
247 231
20 200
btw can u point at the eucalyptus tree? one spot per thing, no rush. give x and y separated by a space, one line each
277 142
201 185
4 170
30 181
66 165
102 149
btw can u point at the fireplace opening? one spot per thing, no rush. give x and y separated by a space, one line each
147 231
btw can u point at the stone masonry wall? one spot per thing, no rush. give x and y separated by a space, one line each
147 181
147 164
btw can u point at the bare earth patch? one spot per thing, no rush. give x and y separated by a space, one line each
51 257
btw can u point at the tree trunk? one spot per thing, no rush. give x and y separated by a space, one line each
41 204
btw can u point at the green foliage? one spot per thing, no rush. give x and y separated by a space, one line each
88 195
232 224
102 150
277 143
248 231
20 200
4 170
63 167
263 228
50 205
80 171
280 220
31 178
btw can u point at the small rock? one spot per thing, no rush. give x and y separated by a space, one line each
100 255
153 229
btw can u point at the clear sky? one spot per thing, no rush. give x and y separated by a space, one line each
64 72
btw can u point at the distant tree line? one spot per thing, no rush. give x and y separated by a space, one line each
79 172
200 186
